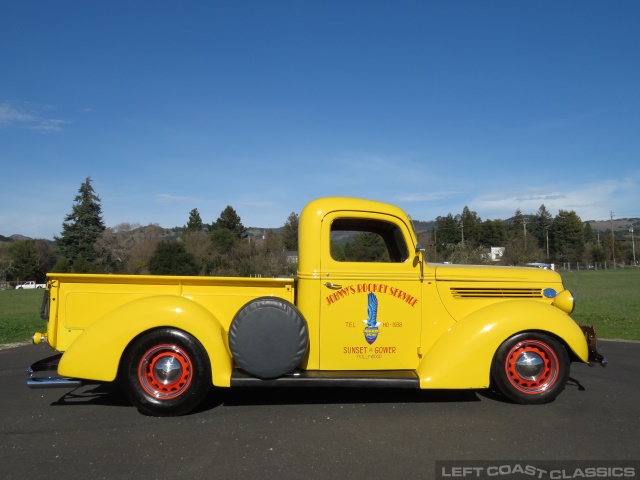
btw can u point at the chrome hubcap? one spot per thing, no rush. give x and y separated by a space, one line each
165 371
168 370
529 365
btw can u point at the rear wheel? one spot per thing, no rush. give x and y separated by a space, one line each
531 368
166 372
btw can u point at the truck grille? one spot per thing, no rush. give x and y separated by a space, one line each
479 292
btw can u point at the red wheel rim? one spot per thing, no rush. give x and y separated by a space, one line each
165 372
531 367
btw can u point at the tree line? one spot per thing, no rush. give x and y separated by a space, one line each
224 247
86 245
526 238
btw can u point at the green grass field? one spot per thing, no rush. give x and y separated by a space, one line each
20 315
607 299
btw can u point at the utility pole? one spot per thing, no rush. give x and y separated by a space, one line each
435 244
633 246
547 232
613 242
524 225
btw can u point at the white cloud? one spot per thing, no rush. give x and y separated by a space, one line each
256 204
167 198
424 197
372 167
591 201
13 117
9 115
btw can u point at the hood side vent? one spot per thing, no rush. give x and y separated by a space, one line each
464 292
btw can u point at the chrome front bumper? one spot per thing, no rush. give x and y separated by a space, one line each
592 343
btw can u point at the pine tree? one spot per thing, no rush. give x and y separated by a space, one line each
540 226
172 258
27 260
448 230
493 233
82 227
368 247
224 239
194 224
230 220
24 261
291 232
470 226
516 228
589 237
567 236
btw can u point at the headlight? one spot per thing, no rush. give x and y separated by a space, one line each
565 301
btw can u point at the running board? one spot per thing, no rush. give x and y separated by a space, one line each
333 378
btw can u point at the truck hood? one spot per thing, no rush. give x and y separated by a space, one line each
465 289
482 273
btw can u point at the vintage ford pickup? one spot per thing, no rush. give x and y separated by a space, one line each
398 322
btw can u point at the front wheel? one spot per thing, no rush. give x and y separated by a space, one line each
166 372
530 368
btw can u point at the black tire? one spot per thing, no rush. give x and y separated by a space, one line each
268 337
530 368
166 372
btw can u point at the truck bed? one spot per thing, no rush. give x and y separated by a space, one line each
78 301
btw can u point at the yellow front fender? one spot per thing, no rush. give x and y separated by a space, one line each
462 357
96 353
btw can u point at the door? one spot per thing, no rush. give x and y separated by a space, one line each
370 310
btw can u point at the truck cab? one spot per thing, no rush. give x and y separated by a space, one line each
368 305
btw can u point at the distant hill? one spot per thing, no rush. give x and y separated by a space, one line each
420 226
14 238
618 224
259 232
17 237
596 225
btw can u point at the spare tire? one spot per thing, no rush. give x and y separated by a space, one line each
268 337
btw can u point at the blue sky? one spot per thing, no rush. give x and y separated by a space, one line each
265 105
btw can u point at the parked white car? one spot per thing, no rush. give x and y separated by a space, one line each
30 285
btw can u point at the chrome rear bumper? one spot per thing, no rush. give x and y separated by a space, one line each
53 382
47 365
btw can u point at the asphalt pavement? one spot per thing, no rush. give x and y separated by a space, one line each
92 432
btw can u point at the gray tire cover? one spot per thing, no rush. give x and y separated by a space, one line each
268 337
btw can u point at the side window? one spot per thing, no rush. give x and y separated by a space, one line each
367 240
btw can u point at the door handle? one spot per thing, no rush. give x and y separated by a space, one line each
332 285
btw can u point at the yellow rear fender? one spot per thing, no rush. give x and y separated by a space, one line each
96 353
462 357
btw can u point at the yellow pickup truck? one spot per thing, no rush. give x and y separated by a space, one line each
395 321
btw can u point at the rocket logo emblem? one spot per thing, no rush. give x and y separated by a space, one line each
371 330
